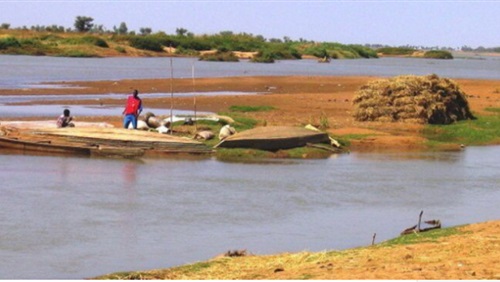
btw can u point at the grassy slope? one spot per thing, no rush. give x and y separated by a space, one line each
465 252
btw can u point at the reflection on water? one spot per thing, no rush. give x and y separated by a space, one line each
82 217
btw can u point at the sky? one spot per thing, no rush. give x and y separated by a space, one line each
429 23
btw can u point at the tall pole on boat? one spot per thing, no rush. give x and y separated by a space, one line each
194 99
171 95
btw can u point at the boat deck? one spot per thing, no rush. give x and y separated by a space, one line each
94 141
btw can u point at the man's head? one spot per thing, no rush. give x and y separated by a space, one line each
136 92
66 112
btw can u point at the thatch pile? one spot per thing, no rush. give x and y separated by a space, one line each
409 98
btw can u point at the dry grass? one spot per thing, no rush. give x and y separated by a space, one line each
410 98
468 252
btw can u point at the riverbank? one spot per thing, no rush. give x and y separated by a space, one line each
466 252
294 100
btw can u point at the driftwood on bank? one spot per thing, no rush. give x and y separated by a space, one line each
433 224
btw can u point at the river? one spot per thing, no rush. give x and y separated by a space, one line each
74 218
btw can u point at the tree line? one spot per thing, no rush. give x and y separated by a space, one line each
225 42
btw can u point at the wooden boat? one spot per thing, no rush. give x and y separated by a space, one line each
96 141
273 138
433 224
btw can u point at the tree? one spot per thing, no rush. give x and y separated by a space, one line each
5 26
181 31
83 24
145 30
123 29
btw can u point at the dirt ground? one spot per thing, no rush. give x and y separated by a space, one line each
298 100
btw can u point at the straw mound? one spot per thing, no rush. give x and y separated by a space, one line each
409 98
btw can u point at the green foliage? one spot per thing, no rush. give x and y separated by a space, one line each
396 51
50 37
493 110
483 130
438 54
120 49
235 42
149 43
219 57
83 24
245 109
337 50
323 121
194 43
122 29
186 52
96 41
86 40
9 42
364 52
77 54
283 51
263 57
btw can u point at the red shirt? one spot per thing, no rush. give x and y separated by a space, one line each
134 106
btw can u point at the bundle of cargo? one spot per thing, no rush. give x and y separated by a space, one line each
410 98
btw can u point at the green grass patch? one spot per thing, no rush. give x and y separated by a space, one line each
482 131
428 236
241 122
493 110
246 109
196 267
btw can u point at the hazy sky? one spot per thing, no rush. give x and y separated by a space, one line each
427 22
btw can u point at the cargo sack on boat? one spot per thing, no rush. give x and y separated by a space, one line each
409 98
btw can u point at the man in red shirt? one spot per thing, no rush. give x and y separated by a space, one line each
132 110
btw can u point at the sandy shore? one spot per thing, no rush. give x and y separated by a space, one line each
298 100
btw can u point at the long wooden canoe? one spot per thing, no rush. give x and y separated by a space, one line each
98 141
273 138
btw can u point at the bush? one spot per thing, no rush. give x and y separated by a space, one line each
9 42
87 40
219 57
396 51
146 43
364 52
263 57
77 54
437 54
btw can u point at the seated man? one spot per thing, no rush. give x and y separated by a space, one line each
65 119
